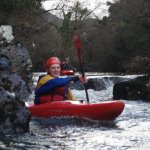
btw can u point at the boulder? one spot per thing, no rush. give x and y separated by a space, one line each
135 89
14 115
20 60
93 83
15 87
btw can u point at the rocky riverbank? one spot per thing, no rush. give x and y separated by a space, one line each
15 84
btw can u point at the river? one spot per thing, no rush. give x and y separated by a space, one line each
130 131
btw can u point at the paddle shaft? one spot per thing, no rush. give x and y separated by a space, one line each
78 45
85 85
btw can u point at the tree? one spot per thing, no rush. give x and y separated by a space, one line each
129 22
73 21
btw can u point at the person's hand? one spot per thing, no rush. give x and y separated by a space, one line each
83 79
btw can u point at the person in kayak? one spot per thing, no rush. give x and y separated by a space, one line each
66 65
51 87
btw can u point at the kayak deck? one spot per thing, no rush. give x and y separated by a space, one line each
96 111
67 72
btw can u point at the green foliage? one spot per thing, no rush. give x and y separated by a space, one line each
130 20
19 5
109 44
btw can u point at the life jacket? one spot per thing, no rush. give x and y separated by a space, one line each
58 94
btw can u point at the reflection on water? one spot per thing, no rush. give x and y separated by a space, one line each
130 131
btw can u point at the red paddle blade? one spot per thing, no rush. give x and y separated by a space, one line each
77 42
78 46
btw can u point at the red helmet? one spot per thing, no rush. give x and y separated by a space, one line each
51 61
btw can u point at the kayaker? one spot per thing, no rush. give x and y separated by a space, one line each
51 87
65 65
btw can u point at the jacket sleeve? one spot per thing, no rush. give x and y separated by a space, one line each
54 83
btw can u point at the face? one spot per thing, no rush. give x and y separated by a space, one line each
54 70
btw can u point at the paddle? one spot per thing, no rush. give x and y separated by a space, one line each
78 46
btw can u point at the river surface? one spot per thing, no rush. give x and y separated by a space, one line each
130 131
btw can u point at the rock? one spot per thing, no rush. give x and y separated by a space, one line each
96 84
15 87
5 63
135 89
13 83
21 62
99 84
14 115
93 83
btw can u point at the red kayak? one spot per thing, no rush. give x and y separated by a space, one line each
67 72
96 111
